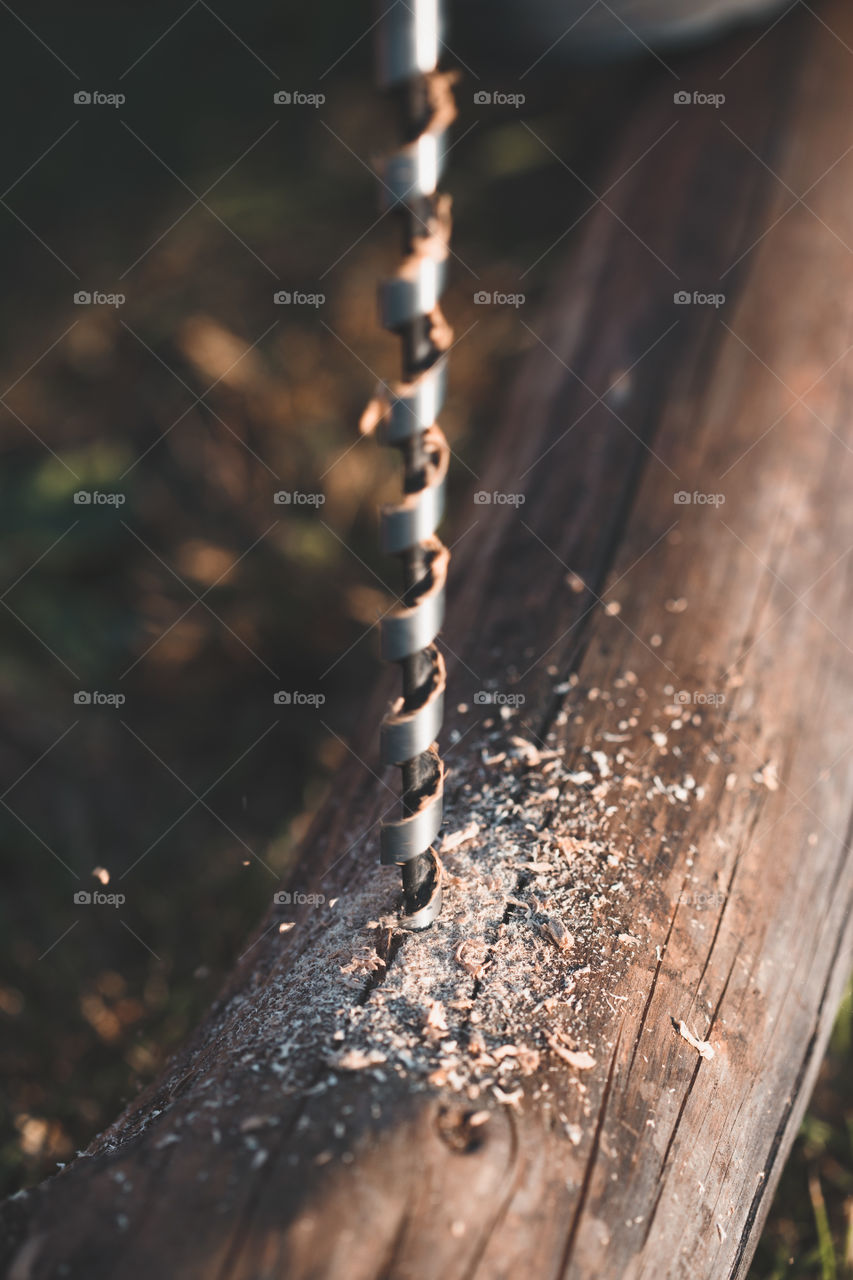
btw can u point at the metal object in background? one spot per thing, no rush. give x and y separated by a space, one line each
409 38
591 28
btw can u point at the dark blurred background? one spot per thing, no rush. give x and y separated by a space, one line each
190 592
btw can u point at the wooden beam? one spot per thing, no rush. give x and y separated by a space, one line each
595 1063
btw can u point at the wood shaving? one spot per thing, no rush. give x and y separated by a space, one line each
251 1123
602 763
456 838
702 1047
366 961
555 931
529 753
436 1021
579 1059
768 776
508 1099
472 954
358 1060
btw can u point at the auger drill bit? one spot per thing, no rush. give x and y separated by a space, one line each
409 37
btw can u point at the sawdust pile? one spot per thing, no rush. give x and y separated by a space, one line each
555 859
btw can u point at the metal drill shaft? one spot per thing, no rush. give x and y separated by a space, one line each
409 34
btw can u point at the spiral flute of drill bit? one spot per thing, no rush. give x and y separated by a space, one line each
404 415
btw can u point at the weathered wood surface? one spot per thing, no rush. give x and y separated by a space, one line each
360 1105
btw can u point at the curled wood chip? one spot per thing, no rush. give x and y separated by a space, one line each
526 1059
555 931
472 954
364 961
456 838
702 1047
529 753
580 1060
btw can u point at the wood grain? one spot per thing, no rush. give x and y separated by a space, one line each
675 788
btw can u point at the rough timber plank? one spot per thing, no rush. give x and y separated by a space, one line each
482 1101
